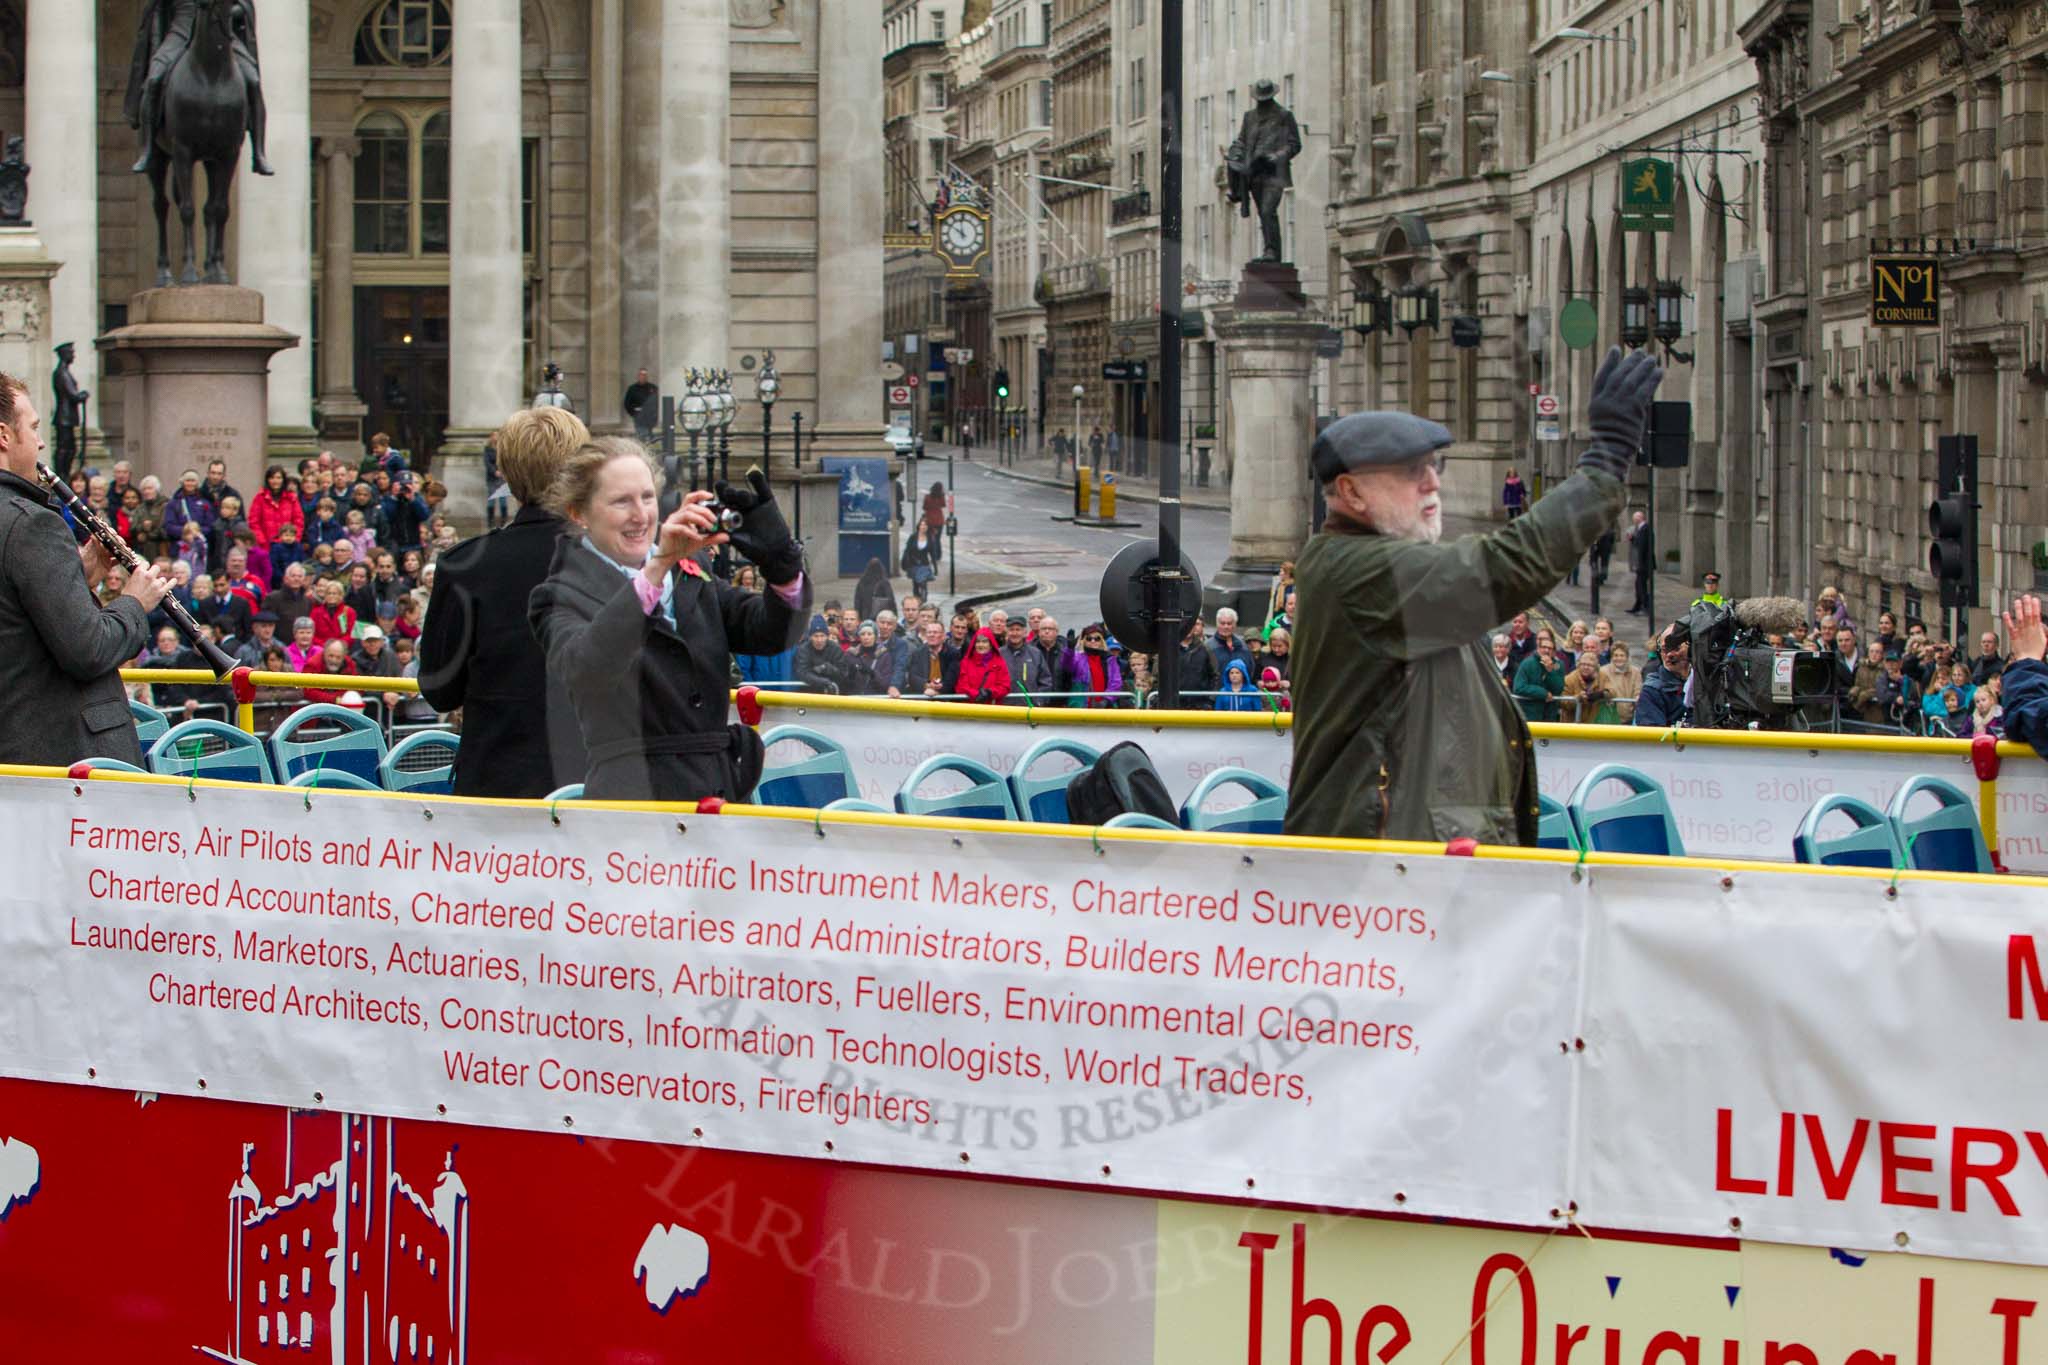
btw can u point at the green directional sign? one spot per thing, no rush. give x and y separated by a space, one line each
1578 326
1649 195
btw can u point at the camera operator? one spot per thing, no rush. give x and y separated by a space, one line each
1662 701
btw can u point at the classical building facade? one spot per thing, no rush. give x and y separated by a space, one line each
918 90
1075 290
1665 79
1018 78
1895 129
1428 194
466 189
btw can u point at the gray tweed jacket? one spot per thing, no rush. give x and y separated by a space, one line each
59 648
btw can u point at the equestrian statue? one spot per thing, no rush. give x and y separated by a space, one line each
195 91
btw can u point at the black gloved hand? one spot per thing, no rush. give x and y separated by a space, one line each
1620 410
763 536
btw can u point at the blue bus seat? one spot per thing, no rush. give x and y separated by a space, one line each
1946 839
1640 822
1872 842
210 748
1137 819
987 796
1043 798
345 741
150 723
422 762
809 783
1554 827
1264 814
333 779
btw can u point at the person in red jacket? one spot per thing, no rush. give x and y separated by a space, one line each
333 660
275 505
984 677
333 619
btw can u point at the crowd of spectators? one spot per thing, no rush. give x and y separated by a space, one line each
1893 681
323 571
915 649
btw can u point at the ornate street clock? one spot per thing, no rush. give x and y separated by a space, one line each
962 239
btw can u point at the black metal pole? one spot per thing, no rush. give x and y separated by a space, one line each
952 532
1167 580
1650 582
796 464
767 435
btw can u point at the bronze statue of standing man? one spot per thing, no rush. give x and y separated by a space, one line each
68 414
1258 163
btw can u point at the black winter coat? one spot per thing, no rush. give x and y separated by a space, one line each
650 699
477 651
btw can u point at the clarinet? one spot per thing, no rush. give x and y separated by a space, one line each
110 540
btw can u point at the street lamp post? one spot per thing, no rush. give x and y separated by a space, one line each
767 388
731 415
695 413
952 531
1079 392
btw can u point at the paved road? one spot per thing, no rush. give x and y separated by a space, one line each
1008 523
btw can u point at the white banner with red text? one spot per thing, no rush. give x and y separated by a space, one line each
1730 801
1792 1056
1202 1018
1837 1063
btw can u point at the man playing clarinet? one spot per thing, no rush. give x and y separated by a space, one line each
60 650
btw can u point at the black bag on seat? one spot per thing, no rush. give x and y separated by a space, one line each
1123 779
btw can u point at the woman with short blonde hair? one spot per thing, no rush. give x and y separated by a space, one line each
476 651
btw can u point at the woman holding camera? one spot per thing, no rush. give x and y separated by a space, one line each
640 635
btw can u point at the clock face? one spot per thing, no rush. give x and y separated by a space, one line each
963 236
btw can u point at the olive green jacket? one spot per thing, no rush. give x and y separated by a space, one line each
1402 729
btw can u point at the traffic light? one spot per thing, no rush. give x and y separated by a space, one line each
1003 385
1952 521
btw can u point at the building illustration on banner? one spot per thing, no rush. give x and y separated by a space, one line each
21 1173
353 1265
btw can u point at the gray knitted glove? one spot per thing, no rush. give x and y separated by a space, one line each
1620 411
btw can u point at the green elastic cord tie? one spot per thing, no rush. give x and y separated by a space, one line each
1095 838
818 820
1580 865
551 810
1668 736
192 784
1907 857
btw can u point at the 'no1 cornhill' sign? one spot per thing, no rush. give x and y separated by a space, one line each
1905 291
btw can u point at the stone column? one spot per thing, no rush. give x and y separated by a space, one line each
851 184
1269 424
62 104
341 408
486 351
274 222
607 55
695 257
640 193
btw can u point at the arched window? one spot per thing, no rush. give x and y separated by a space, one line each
402 182
405 33
384 186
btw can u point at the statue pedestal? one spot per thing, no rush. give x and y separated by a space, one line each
1267 355
26 349
196 363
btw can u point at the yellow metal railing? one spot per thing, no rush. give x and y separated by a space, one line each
245 711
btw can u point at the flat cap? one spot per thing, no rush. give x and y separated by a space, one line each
1368 439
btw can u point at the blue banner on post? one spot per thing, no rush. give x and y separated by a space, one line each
864 505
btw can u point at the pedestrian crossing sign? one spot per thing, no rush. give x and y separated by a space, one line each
1649 195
